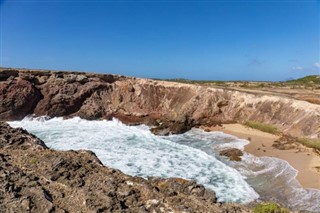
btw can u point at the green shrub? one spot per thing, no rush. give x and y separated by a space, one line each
269 207
262 127
261 85
33 160
310 142
311 79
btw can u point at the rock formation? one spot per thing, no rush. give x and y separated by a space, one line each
232 153
170 107
34 178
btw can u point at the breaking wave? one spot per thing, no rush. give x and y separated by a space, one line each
193 155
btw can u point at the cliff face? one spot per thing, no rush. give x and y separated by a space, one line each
34 178
171 107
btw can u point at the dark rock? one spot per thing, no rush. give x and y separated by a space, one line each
18 99
172 127
47 195
222 103
18 138
233 154
8 73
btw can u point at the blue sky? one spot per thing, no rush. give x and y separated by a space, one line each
208 40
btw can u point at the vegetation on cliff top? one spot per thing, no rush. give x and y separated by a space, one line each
311 79
292 88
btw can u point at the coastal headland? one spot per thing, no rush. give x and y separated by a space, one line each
168 107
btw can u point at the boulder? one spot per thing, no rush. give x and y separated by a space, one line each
233 154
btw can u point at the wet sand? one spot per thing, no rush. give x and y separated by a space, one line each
303 159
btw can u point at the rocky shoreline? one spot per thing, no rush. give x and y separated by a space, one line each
38 179
34 178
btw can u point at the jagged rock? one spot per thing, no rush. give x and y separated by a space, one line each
18 98
5 74
172 127
34 178
233 154
18 138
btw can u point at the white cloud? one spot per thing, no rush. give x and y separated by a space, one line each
297 68
317 64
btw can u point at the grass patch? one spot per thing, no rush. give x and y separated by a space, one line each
310 142
33 160
262 127
270 207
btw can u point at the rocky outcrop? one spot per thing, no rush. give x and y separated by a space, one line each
34 178
18 99
170 107
232 153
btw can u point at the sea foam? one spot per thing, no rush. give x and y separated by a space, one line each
136 151
272 178
192 155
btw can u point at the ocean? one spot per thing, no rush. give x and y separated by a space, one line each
193 155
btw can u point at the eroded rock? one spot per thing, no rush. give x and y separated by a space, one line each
18 98
233 154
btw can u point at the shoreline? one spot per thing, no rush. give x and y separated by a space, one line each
301 158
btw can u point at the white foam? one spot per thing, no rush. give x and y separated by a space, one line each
272 178
135 151
192 155
279 177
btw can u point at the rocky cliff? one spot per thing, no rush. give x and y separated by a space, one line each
170 107
34 178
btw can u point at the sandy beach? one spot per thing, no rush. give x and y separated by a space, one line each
303 159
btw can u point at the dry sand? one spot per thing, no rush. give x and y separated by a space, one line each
303 159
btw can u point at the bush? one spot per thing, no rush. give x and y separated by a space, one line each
310 142
33 160
270 207
262 127
311 79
